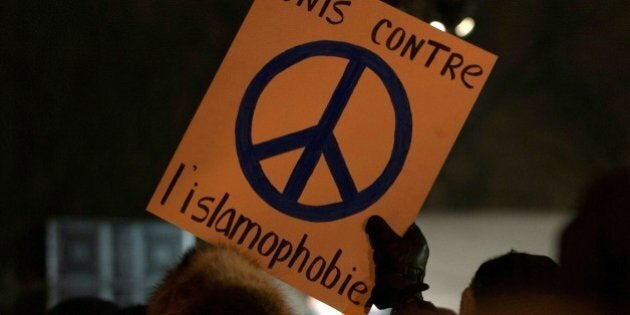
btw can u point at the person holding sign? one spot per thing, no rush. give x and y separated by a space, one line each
322 115
216 279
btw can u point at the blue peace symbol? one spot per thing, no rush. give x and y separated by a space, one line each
319 140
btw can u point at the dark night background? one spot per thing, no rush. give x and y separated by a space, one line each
97 94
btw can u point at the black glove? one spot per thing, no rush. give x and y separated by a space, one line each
400 264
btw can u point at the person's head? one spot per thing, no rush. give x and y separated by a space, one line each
216 280
502 284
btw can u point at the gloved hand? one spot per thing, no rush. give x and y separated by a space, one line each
400 264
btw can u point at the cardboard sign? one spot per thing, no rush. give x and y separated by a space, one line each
322 114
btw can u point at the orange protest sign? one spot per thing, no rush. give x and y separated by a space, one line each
322 114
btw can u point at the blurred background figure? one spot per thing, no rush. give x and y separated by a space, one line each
595 247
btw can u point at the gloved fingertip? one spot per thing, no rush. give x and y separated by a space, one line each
374 224
413 232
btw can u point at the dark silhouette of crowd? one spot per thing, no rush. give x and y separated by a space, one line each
593 273
591 277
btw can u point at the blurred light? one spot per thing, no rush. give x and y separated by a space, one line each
465 27
376 311
320 308
439 25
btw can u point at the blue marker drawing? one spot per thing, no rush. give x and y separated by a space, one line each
319 141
